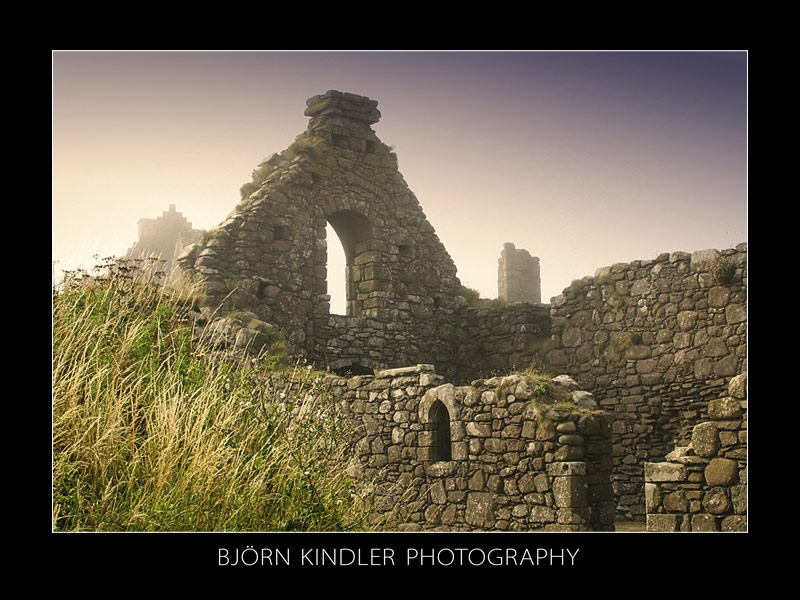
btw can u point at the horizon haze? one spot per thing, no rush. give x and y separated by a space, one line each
584 159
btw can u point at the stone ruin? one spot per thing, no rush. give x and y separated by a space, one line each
650 344
164 238
518 278
268 258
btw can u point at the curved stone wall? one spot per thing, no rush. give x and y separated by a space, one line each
655 341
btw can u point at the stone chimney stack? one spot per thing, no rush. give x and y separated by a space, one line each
518 276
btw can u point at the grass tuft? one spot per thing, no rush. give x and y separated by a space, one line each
147 436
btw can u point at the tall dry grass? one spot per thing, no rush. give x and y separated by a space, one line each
147 436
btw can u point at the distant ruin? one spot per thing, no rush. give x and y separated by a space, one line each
648 345
164 237
518 278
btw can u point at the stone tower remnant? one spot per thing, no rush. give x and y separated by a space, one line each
164 237
518 276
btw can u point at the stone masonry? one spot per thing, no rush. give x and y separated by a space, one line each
654 342
504 453
703 486
269 256
518 276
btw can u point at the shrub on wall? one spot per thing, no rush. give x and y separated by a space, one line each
723 271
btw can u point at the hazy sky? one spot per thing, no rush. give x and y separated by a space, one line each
583 158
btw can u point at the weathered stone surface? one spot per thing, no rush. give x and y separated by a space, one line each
569 453
570 492
652 497
542 483
704 523
739 498
722 471
687 320
737 387
542 514
567 427
716 501
566 381
571 439
735 314
719 296
546 430
664 471
723 409
676 502
584 399
734 523
438 493
560 469
479 429
705 439
480 510
663 522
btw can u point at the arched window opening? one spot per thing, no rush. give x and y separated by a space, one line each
354 232
440 432
336 272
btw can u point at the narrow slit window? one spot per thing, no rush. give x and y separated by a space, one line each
440 432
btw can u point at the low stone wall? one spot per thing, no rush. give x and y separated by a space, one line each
703 486
514 458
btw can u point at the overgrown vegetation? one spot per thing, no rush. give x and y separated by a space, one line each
578 285
723 271
474 299
147 436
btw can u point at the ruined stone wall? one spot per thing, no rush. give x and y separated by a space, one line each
497 339
703 486
516 459
269 257
655 341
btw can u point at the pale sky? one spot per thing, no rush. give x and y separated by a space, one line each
582 158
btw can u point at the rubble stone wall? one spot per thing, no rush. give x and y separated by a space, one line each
655 341
515 459
497 340
703 486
